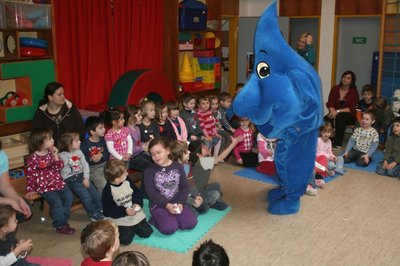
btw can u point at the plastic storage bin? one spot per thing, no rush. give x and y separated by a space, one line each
192 15
27 16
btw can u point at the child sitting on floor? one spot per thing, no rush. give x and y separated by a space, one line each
140 158
367 101
12 252
363 142
123 203
383 118
202 164
180 153
44 177
131 258
207 124
390 165
167 188
325 156
175 127
95 150
119 142
76 174
148 128
244 152
210 253
266 154
161 117
188 114
100 240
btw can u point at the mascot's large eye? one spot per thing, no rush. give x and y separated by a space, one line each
263 70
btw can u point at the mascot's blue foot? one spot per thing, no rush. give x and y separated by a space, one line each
284 206
275 194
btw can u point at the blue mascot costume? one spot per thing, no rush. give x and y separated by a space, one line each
283 99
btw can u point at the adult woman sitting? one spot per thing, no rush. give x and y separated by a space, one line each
342 102
57 113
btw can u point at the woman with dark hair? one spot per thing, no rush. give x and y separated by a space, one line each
57 113
342 102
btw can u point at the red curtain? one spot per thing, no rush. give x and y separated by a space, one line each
82 38
137 35
96 44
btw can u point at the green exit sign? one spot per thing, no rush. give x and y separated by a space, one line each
359 40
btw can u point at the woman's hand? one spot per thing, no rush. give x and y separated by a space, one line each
332 114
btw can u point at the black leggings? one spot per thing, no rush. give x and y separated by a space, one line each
126 233
339 123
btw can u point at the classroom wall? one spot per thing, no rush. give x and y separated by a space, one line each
357 57
246 29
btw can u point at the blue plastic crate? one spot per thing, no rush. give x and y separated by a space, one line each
192 15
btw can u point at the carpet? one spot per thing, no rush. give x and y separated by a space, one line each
251 173
376 158
181 241
50 261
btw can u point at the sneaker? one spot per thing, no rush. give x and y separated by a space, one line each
203 208
219 205
65 230
311 191
331 173
320 183
98 216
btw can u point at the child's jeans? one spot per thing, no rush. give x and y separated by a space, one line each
97 176
89 197
60 203
394 172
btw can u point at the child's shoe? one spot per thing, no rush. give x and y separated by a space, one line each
320 182
331 173
97 216
311 191
203 208
219 205
65 230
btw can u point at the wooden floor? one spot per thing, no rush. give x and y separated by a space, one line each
355 220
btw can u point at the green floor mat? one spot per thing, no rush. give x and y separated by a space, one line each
181 241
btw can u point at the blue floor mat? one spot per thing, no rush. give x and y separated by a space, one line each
251 173
376 158
181 241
